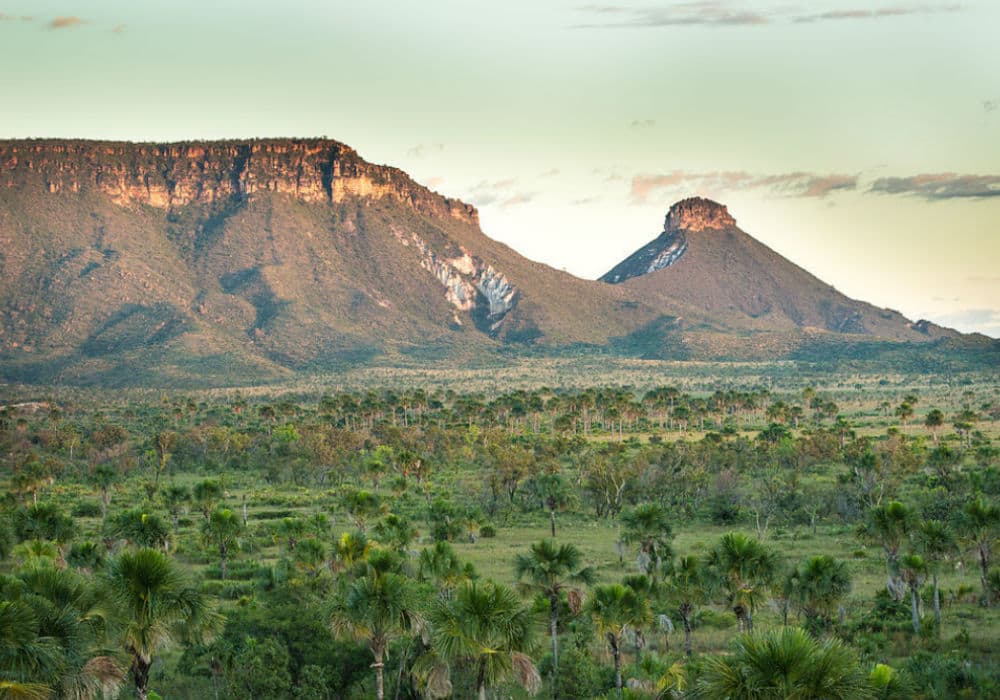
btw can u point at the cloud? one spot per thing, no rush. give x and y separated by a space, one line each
65 22
698 12
518 198
118 28
986 321
991 105
728 13
485 192
12 18
421 149
550 173
583 201
879 13
939 186
643 123
796 184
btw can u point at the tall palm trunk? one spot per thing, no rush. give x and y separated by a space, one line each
617 653
937 604
222 557
913 606
379 682
481 680
140 674
553 630
687 633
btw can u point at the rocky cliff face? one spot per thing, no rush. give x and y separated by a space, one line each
172 176
688 215
470 283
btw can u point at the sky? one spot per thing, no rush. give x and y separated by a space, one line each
859 138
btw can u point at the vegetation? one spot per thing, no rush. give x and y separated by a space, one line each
676 542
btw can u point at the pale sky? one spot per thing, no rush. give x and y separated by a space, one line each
859 138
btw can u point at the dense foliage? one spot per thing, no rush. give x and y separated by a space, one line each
574 543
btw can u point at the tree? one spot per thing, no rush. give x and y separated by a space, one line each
816 587
104 477
440 564
222 531
156 607
979 525
52 636
174 499
207 495
936 542
648 526
376 608
615 609
784 664
688 586
550 571
745 569
888 525
486 626
141 529
913 570
43 521
934 420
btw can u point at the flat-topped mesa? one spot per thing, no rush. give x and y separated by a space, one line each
697 214
170 175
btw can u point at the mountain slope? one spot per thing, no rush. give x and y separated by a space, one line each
703 268
256 258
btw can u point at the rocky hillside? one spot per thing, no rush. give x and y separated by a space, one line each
704 268
241 261
257 258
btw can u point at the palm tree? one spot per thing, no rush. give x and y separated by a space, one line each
888 525
616 609
68 614
174 499
222 530
207 494
688 586
786 663
440 564
486 626
156 606
934 421
141 528
376 608
648 526
816 586
745 568
29 660
979 526
551 570
936 542
913 570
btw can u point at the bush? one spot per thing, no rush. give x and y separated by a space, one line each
487 531
579 675
86 509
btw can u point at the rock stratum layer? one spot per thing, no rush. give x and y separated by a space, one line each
239 261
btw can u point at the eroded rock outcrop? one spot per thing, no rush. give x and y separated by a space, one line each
471 285
174 175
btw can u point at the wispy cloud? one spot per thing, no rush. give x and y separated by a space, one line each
15 18
643 123
503 193
729 13
991 105
985 321
796 184
422 149
551 172
65 22
879 13
938 186
700 12
118 28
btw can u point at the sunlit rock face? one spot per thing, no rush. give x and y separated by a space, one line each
175 175
686 216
